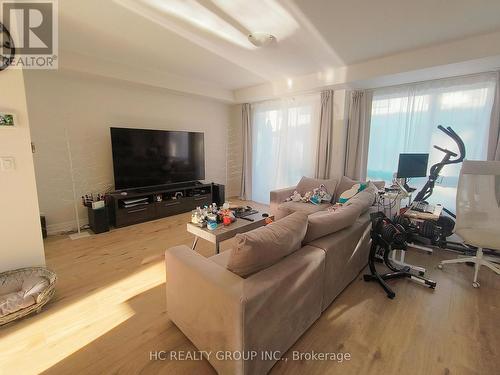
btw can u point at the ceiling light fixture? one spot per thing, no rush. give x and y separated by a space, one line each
261 39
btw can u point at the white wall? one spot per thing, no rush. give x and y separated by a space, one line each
86 107
20 235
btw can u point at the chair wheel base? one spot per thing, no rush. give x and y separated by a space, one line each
476 284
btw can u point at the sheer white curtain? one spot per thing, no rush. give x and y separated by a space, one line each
405 119
284 143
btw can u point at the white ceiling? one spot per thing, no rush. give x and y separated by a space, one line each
105 30
360 30
205 41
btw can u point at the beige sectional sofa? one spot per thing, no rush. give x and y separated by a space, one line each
245 324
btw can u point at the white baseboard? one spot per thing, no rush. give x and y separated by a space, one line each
64 227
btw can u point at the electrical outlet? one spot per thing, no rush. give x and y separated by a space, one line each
7 163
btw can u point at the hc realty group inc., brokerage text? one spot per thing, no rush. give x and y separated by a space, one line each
181 355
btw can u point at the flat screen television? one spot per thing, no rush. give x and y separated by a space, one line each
412 165
144 157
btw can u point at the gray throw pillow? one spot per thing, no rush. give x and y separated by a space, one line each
309 184
265 246
326 222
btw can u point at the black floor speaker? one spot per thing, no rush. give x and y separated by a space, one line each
218 195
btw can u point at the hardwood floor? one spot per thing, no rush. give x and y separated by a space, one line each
109 313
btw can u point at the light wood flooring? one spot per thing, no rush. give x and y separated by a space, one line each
109 313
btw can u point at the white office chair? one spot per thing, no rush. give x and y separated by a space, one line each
478 212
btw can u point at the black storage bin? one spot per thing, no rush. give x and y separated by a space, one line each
98 220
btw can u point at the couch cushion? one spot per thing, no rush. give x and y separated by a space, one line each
287 208
265 246
325 222
309 184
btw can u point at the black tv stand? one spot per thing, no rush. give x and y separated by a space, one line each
127 207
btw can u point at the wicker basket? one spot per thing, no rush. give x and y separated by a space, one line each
42 298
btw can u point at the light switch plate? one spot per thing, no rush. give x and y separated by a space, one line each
7 163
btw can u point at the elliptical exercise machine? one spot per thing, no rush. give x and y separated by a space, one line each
430 232
386 237
428 188
436 232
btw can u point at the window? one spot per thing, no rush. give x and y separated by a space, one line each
284 143
405 119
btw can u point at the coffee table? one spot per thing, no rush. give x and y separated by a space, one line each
223 233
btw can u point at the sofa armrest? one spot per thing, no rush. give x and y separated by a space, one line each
276 197
206 302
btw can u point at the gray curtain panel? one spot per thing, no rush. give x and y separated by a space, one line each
494 134
358 134
246 176
325 141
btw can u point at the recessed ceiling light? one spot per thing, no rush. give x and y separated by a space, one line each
261 39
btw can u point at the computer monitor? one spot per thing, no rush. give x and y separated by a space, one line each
412 165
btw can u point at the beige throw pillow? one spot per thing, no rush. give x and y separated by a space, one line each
265 246
309 184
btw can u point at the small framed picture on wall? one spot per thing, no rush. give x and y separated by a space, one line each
7 119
